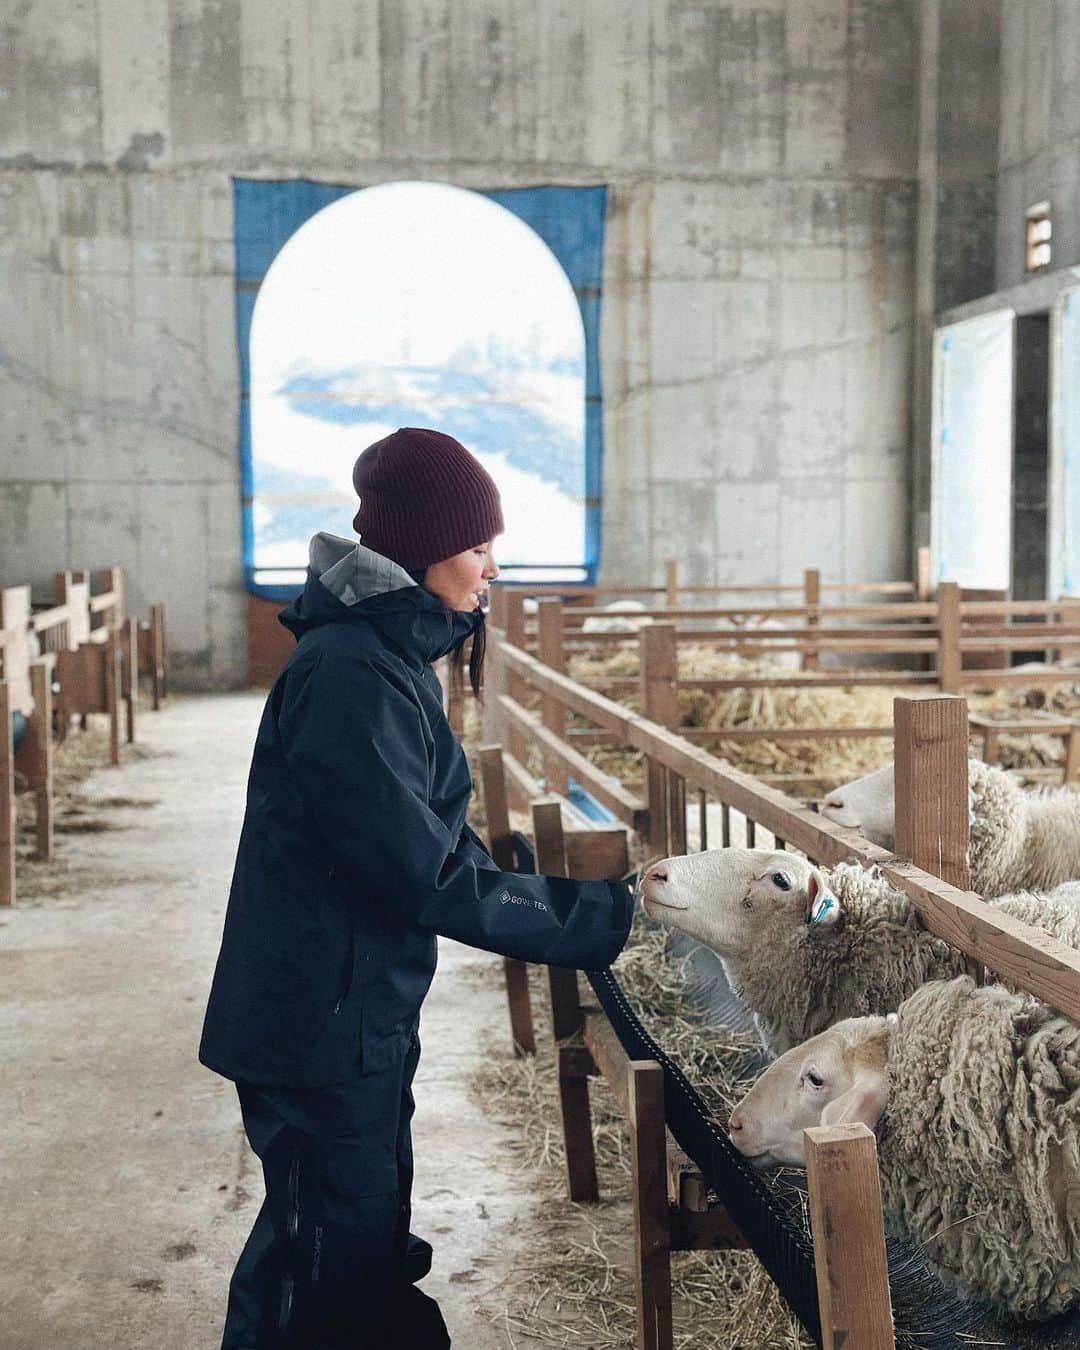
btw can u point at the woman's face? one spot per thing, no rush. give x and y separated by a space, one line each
461 582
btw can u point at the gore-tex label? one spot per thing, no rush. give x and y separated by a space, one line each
506 898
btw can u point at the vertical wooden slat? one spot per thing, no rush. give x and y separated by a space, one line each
923 585
812 599
671 582
157 650
676 814
501 843
849 1238
7 800
129 641
111 657
36 752
931 788
513 738
949 659
703 820
751 833
1072 754
549 617
652 1224
725 825
577 1123
660 700
991 742
551 862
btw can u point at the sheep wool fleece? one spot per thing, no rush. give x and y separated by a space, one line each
353 857
980 1148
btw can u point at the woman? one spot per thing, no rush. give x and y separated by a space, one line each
354 855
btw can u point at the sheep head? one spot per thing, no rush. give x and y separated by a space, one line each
728 897
867 805
834 1078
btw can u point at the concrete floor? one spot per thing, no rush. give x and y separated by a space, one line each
127 1184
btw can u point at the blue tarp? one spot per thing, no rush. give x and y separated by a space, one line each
570 220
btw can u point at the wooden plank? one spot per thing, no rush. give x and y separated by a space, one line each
597 855
648 1164
1072 754
577 1125
576 640
36 755
519 1005
493 783
923 582
886 679
949 664
552 714
515 636
1021 642
1021 679
7 799
15 610
892 612
551 861
129 669
671 583
515 973
630 809
849 1238
931 789
113 696
660 699
812 601
785 733
993 609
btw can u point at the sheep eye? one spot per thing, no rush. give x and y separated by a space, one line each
815 1080
781 881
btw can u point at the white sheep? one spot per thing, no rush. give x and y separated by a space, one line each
1019 840
599 624
803 949
975 1095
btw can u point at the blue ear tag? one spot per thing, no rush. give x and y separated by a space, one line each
822 906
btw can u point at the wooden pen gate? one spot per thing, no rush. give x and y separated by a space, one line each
930 867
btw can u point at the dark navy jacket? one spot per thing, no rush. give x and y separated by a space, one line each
354 852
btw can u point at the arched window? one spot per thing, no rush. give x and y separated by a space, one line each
416 304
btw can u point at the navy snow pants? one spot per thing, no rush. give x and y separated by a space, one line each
330 1263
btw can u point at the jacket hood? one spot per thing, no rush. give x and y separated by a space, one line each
348 583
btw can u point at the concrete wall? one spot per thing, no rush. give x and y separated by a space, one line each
1039 151
758 292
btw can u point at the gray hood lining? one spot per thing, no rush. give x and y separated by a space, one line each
352 572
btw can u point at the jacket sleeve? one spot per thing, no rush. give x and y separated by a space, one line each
357 746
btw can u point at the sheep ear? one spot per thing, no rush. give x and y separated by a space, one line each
864 1101
822 907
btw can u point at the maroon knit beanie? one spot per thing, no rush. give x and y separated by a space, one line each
423 497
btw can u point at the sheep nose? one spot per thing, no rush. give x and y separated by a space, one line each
658 873
735 1123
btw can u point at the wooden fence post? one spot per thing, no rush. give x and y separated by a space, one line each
652 1222
812 599
950 661
7 800
671 582
923 584
514 739
931 788
501 842
567 1019
37 752
113 694
549 617
660 702
849 1240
